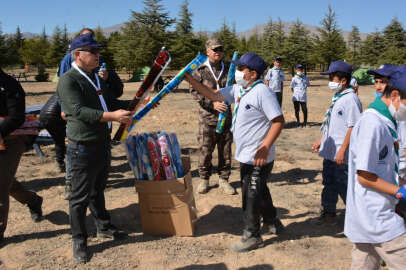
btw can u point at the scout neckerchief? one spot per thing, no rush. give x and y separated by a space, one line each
241 94
217 79
381 110
326 121
96 87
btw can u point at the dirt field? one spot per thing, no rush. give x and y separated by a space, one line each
295 187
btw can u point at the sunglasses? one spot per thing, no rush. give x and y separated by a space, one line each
92 50
218 49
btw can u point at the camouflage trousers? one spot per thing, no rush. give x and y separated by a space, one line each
208 138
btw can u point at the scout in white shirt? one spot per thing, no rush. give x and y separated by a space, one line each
299 85
373 184
274 79
336 129
257 123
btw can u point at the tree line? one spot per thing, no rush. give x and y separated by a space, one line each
143 35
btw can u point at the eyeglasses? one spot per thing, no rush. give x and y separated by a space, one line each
92 50
218 49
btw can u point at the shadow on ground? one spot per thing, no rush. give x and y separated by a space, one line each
222 266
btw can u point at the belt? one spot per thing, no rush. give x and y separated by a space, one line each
86 143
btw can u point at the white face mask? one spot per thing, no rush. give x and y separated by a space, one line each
335 86
299 73
400 114
239 78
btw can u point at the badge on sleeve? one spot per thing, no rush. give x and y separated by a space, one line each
383 153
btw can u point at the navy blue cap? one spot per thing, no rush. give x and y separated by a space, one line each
252 61
384 70
338 66
84 40
398 79
278 58
299 66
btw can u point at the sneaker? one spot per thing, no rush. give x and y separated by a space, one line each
247 244
80 254
112 232
203 187
68 191
226 187
327 218
273 228
36 209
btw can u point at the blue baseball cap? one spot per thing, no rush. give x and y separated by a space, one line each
84 40
338 66
253 61
278 58
398 79
384 70
299 66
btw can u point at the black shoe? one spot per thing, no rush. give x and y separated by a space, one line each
112 232
36 209
80 252
273 228
327 218
248 242
62 167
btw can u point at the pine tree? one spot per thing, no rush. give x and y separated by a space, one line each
3 49
395 43
186 45
229 40
267 42
279 36
330 44
372 48
354 45
298 46
57 48
254 43
143 36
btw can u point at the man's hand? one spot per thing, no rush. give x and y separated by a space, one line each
122 116
401 193
316 146
104 74
219 106
261 156
340 156
63 116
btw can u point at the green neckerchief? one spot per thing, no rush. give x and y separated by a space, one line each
381 107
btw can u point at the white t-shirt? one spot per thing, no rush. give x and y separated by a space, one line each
402 146
353 82
275 77
370 215
346 112
255 113
299 86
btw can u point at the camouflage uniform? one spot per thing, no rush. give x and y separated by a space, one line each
208 138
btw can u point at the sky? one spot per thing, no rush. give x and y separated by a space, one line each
208 15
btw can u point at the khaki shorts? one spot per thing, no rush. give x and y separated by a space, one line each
367 256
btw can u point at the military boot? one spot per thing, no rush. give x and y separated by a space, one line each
80 254
36 209
248 242
226 188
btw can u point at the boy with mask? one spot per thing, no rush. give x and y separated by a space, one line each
336 128
381 78
274 79
257 123
299 85
373 185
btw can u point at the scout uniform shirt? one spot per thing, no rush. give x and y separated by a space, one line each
299 85
370 215
345 113
256 109
275 77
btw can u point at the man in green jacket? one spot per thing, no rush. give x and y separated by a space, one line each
90 107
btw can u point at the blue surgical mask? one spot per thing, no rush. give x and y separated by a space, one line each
378 95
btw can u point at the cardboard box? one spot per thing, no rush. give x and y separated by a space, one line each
168 207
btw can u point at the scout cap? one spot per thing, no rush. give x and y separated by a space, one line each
384 70
278 58
84 40
213 43
252 61
299 66
338 66
398 80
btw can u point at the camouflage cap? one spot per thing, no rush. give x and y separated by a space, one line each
213 43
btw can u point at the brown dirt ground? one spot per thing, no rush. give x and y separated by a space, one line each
295 187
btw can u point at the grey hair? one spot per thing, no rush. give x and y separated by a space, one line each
73 53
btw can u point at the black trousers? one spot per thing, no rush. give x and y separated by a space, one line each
9 186
89 165
57 129
279 96
297 105
256 198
